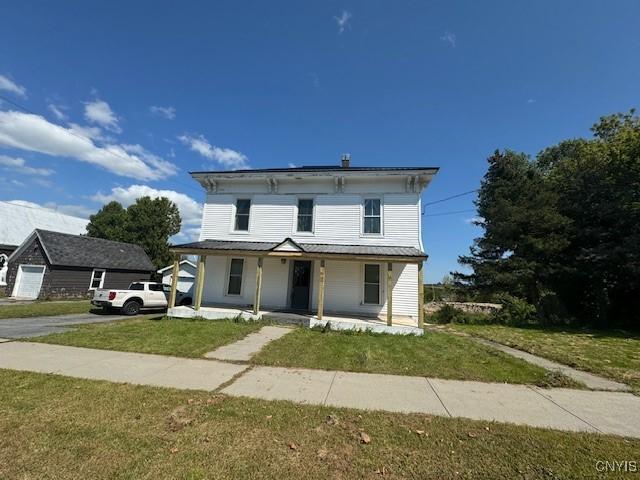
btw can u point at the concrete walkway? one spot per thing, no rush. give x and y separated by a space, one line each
594 382
563 409
243 350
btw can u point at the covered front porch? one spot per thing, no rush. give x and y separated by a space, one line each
343 286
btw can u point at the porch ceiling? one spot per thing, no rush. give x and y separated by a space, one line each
304 250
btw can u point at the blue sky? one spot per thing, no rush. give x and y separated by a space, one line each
267 84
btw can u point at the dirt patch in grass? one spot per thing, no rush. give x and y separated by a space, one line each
432 355
58 427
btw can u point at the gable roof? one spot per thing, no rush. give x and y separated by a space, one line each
182 262
18 221
67 250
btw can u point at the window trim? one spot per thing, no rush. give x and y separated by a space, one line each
362 216
380 284
234 212
296 213
93 276
228 277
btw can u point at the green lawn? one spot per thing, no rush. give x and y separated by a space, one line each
39 309
613 354
58 427
178 337
434 355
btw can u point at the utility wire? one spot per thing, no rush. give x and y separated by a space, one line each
82 137
450 198
449 213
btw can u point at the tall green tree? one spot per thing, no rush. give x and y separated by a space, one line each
149 222
565 226
109 223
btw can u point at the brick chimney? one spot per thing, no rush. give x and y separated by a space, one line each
346 158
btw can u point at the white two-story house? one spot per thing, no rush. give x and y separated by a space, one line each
323 241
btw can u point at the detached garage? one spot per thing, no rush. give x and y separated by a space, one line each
59 265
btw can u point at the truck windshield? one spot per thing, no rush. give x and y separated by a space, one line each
136 286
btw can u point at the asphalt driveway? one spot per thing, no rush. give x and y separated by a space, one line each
40 326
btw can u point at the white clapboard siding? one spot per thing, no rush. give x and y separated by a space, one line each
337 219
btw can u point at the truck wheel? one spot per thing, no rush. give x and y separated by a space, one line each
185 301
131 308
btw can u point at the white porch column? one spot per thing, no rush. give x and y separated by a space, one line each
197 301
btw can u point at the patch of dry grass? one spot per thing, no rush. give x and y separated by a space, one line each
58 427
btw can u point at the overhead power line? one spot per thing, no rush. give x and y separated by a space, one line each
454 212
83 138
450 198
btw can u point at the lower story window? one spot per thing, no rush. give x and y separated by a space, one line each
372 283
235 276
97 279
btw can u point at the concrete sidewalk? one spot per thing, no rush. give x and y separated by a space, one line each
563 409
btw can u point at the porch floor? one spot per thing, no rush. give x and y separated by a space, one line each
402 325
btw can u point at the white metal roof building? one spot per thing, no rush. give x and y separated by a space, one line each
18 221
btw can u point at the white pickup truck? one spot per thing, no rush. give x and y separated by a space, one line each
139 295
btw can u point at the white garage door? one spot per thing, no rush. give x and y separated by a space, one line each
29 281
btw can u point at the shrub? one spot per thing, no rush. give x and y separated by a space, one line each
450 314
447 314
515 311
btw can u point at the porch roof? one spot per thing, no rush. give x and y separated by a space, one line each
314 250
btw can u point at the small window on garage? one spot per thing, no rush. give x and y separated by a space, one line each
235 276
372 284
97 279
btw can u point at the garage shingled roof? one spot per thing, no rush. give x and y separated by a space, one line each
67 250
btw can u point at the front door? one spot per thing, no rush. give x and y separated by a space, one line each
300 285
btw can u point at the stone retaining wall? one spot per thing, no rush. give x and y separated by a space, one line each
467 307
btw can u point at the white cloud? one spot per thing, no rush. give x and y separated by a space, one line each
93 133
190 210
34 133
343 21
164 112
449 38
474 220
530 100
292 165
19 165
58 111
10 86
99 111
224 156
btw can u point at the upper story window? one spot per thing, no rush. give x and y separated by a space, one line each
372 218
305 215
243 207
